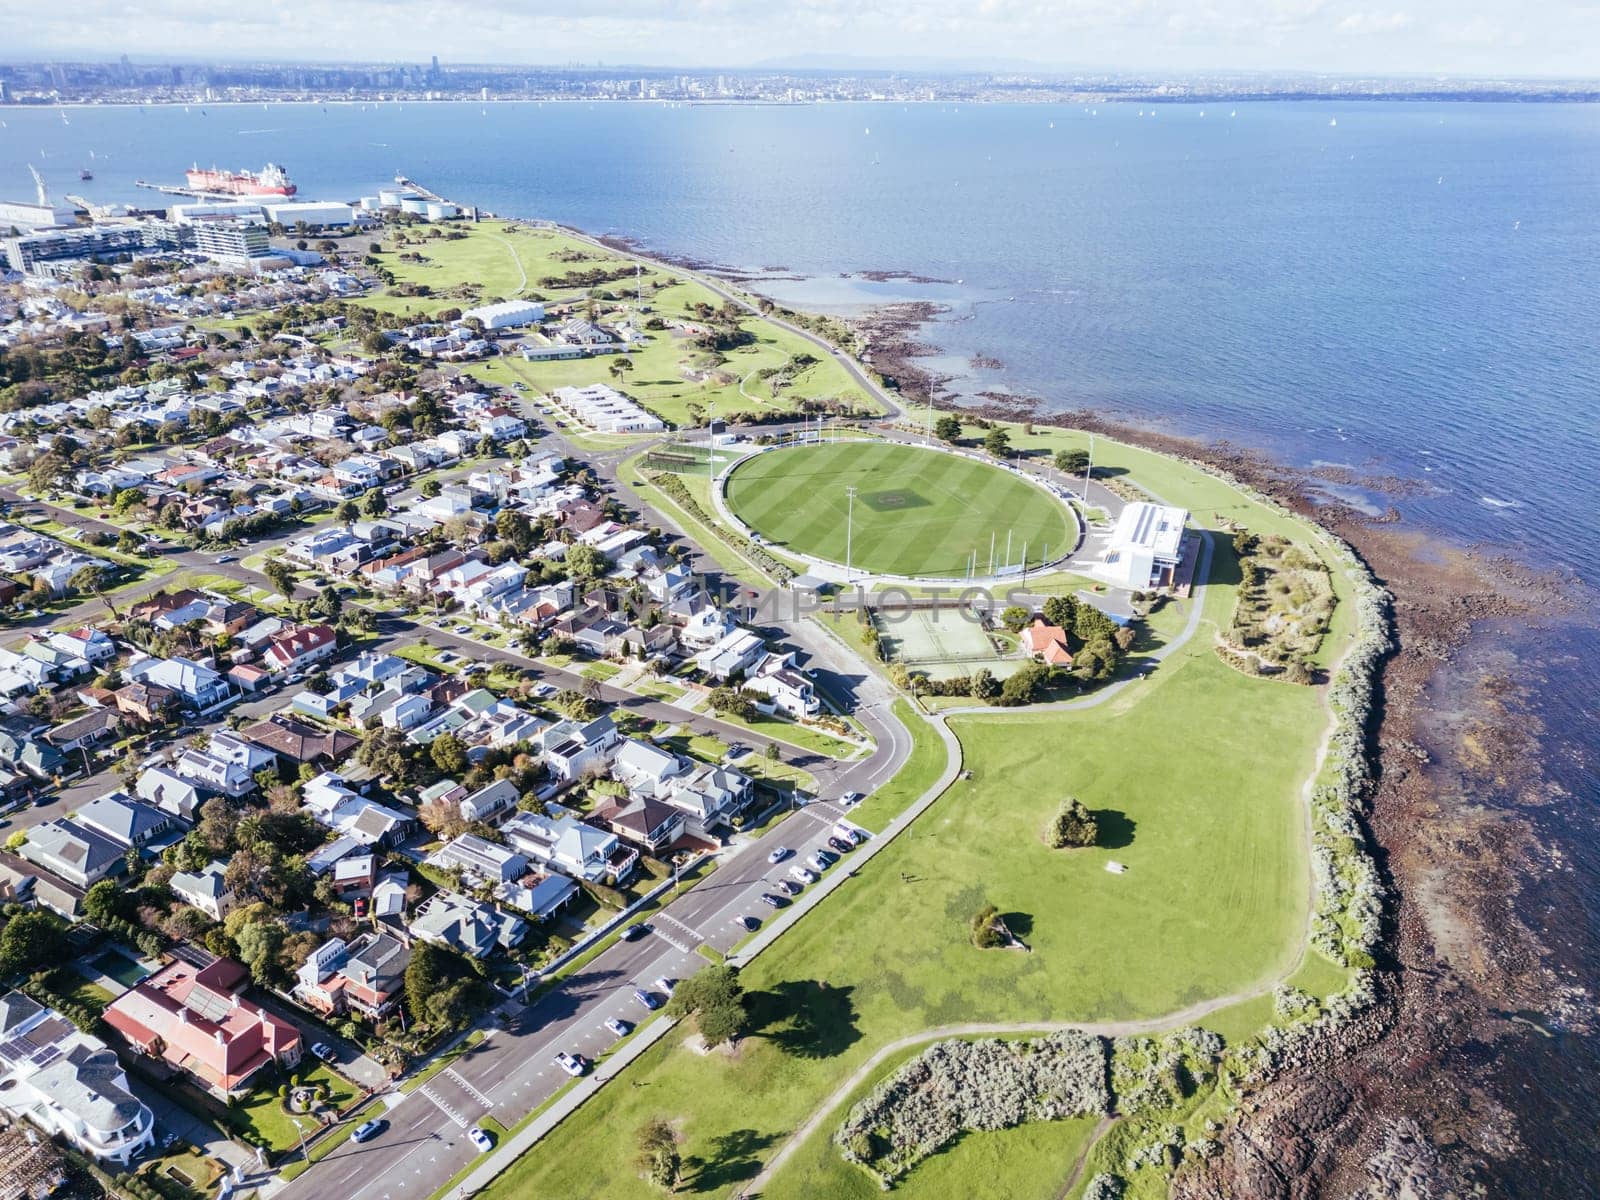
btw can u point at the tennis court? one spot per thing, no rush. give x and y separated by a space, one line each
939 643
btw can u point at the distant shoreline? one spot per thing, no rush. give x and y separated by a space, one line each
1530 96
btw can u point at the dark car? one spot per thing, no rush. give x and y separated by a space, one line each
770 900
649 999
368 1130
748 924
839 844
789 887
634 932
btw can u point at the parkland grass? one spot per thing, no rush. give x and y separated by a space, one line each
1197 773
916 511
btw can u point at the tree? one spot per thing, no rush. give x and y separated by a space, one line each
281 575
1024 685
714 997
1096 660
260 943
328 604
987 927
104 901
442 818
1014 617
375 503
727 701
1089 624
30 939
448 754
984 685
430 488
585 562
657 1158
947 428
997 442
1061 611
1073 825
1072 462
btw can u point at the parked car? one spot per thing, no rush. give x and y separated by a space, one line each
820 861
839 844
368 1130
666 985
788 887
779 853
770 900
748 924
544 691
572 1064
618 1026
322 1050
480 1139
800 875
736 751
649 1000
850 834
634 932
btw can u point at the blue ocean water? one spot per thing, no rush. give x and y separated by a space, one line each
1406 289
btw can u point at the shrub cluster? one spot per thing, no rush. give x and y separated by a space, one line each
673 486
956 1086
1152 1073
1104 1186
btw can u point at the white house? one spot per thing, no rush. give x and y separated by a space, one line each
205 890
68 1083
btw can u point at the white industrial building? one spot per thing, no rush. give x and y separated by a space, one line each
605 410
312 212
1145 548
194 214
25 216
508 314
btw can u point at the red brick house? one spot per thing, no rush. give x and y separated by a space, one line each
196 1021
1047 643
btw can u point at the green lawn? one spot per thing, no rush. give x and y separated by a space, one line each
916 512
670 376
1198 774
263 1113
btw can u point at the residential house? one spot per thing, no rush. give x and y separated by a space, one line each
783 689
298 742
196 685
561 842
148 703
95 726
1046 642
478 859
650 825
466 926
300 648
69 1084
129 822
205 889
710 798
197 1021
72 852
366 976
735 654
169 792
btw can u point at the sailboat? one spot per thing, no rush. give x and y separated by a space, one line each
1333 122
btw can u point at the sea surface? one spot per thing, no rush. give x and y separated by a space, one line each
1407 290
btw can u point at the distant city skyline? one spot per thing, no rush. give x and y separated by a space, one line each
1466 37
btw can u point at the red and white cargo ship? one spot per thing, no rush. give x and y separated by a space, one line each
273 180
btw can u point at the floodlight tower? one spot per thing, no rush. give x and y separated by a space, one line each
849 526
1088 470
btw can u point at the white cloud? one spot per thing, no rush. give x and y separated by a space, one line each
1502 36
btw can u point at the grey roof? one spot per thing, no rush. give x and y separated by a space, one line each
127 820
71 845
88 1082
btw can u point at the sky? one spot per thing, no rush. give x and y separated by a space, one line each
1462 37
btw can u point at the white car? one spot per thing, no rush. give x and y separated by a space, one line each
572 1064
323 1051
801 875
666 985
779 853
850 799
480 1139
618 1026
